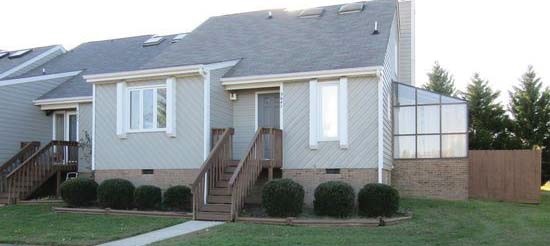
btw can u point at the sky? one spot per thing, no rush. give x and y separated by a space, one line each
497 38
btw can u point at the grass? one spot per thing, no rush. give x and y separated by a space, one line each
435 222
38 224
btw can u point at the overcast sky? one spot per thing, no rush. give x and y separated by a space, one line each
498 38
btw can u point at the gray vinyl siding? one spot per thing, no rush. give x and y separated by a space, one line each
154 150
221 109
85 137
362 129
389 75
406 42
21 120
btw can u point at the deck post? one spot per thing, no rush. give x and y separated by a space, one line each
58 188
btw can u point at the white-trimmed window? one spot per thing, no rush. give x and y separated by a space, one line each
328 111
146 108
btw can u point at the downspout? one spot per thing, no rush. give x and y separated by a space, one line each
380 74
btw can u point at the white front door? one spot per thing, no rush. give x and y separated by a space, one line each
65 128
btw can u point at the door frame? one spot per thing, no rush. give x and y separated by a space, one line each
66 115
256 96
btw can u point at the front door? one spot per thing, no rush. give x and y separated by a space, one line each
65 129
268 117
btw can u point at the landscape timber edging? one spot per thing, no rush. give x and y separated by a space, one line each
108 211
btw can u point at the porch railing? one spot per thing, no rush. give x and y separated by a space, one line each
213 167
250 166
27 149
40 166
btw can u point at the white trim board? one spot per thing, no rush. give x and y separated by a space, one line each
33 60
143 74
84 99
322 74
37 78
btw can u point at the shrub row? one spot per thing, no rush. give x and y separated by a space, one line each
285 198
121 194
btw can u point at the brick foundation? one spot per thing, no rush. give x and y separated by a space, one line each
432 178
163 178
311 178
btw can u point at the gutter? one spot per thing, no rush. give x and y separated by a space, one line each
65 100
145 73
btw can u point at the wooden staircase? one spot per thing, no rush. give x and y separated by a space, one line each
223 183
22 179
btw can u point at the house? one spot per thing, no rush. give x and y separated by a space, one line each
314 95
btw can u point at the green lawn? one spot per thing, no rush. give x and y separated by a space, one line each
435 223
38 224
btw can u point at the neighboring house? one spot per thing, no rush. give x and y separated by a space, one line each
322 82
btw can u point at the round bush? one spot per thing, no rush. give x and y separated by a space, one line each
378 200
283 198
178 198
148 197
116 193
79 192
334 198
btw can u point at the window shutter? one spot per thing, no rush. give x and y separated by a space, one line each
343 112
121 109
313 114
171 107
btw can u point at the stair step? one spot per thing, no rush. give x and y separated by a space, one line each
230 170
219 199
219 192
226 176
213 216
233 163
216 208
222 184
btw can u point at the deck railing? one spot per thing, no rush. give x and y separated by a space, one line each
27 149
250 166
213 167
41 165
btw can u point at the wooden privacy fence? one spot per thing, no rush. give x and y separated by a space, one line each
505 175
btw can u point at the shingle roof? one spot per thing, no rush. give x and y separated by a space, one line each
9 63
286 43
98 57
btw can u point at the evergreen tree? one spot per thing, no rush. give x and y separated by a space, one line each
488 123
529 105
440 81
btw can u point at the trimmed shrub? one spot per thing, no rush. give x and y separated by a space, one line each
79 192
283 198
148 197
378 200
178 198
116 194
334 198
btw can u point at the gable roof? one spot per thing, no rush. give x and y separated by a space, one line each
10 67
286 43
98 57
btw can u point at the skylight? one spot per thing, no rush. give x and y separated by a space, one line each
351 8
313 12
178 37
155 40
19 53
3 54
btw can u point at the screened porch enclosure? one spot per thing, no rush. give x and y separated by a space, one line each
428 125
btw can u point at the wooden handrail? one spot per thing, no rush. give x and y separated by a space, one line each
250 166
213 167
24 153
36 169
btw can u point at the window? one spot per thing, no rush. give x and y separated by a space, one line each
428 125
328 122
147 108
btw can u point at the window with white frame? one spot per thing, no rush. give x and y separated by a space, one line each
328 111
147 108
428 125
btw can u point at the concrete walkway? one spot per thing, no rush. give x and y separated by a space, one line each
163 234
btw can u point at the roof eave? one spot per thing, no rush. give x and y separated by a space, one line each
144 73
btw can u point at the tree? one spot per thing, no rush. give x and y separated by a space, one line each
529 105
489 126
440 81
